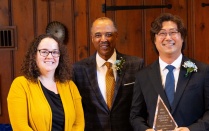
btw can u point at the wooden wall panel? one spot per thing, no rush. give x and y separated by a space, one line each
6 66
32 17
4 13
6 73
201 29
62 11
190 29
23 18
85 13
148 16
129 22
81 30
94 11
179 7
41 16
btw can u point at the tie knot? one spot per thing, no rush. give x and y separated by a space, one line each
170 67
108 64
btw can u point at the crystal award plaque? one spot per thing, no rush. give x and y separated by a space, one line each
163 119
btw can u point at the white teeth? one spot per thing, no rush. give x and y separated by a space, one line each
168 44
48 62
104 46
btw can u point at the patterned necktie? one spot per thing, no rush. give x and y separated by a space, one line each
170 84
110 84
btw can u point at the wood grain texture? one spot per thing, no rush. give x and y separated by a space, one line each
32 17
6 66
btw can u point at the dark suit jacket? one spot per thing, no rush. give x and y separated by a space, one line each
97 115
191 101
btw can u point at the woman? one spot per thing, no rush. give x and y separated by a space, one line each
45 98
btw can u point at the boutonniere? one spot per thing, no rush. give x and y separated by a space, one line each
118 65
190 66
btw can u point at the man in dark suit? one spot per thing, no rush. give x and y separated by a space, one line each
89 76
189 105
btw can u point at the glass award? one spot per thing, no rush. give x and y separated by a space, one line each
163 119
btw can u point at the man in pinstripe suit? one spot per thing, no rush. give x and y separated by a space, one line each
89 76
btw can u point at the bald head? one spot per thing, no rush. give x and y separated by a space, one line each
104 35
105 21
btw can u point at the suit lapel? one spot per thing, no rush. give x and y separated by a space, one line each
119 78
154 74
181 85
91 73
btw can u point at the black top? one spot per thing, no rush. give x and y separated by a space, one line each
55 103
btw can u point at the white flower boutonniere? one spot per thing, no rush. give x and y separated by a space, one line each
118 65
190 66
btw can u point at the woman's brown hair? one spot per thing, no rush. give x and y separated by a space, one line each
30 69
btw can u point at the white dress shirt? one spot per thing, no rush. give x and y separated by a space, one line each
164 71
101 72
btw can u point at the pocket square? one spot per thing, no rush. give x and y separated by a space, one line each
129 83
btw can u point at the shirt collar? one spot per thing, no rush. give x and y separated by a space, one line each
100 61
176 63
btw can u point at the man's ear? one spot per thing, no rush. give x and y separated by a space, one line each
91 37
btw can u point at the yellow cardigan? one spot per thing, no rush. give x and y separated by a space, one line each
29 109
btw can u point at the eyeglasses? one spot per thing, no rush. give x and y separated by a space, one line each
45 53
163 34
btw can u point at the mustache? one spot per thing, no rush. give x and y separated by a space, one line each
104 42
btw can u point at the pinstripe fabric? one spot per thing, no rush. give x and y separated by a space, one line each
98 117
